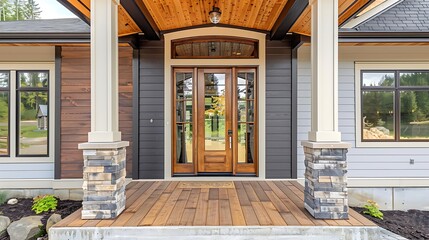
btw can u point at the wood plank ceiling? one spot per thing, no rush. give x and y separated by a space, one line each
346 9
255 14
126 25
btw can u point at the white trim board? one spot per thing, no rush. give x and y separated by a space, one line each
376 11
359 66
17 66
169 63
77 183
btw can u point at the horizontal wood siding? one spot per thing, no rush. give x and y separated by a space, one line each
278 110
76 106
27 170
151 142
362 162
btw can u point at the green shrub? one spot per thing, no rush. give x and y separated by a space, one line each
44 203
2 197
372 209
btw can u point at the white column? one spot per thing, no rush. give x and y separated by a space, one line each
104 72
324 63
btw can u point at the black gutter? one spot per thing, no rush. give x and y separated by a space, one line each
380 37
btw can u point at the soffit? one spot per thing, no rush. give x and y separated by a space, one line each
253 14
126 25
346 9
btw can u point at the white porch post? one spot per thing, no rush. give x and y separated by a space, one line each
325 154
104 153
324 63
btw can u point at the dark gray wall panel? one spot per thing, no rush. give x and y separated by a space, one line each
278 110
151 104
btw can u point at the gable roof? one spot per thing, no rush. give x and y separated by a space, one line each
65 25
407 16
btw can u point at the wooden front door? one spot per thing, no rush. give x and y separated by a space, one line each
214 121
214 116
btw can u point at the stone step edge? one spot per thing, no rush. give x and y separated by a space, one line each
359 232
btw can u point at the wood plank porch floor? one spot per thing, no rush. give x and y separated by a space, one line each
237 203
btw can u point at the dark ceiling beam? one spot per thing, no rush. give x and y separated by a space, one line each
287 18
75 11
140 14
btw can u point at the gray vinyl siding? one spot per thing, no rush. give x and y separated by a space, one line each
27 170
362 162
278 110
151 106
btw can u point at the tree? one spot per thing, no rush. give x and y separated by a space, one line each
32 10
16 10
6 10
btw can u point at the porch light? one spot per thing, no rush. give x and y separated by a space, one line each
215 15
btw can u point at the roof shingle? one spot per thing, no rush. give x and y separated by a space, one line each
66 25
407 16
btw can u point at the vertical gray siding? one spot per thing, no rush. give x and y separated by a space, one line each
151 106
363 162
278 110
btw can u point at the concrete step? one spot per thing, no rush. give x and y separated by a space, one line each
223 233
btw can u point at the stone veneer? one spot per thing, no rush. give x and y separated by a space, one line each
325 180
104 179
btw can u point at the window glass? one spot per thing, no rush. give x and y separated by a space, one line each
414 115
377 115
395 105
184 107
33 123
213 47
373 79
33 113
214 95
414 78
4 113
33 78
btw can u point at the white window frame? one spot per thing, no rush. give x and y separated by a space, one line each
362 66
13 67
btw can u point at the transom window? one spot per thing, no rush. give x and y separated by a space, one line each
394 105
214 47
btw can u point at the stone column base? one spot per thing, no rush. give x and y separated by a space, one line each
103 179
325 180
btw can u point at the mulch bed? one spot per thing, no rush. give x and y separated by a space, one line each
23 209
413 224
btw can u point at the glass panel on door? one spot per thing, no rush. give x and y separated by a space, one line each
184 111
245 117
214 101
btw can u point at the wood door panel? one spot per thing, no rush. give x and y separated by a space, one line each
214 159
217 119
214 101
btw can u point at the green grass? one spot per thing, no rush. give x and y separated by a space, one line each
32 132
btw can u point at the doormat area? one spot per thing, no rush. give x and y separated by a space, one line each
221 184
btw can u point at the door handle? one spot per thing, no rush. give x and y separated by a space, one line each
230 138
230 142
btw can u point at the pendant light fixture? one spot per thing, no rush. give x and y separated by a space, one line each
215 15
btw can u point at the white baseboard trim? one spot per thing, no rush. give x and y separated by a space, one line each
384 182
77 183
43 183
